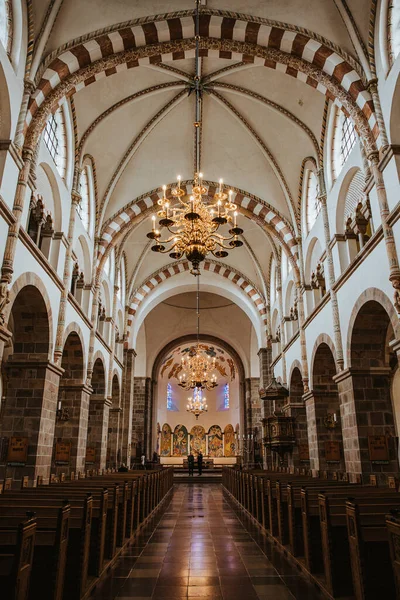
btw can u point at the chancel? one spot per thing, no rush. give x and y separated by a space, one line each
199 299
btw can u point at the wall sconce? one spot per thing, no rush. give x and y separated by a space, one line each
331 421
62 412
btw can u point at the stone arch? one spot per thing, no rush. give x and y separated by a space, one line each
323 338
113 441
73 327
323 409
31 279
97 432
224 34
297 410
369 385
73 402
170 270
149 427
29 380
295 365
371 294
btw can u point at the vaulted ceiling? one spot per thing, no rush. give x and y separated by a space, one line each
260 118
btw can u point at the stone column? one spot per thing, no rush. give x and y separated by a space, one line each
373 89
13 232
29 410
390 243
303 347
98 428
127 403
76 401
331 272
58 350
138 412
366 410
281 318
318 405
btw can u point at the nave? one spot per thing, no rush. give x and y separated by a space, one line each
202 547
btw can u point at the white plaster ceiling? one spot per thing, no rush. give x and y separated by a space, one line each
228 149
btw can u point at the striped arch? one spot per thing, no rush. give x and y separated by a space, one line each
298 52
259 210
255 296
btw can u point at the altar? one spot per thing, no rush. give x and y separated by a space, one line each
209 462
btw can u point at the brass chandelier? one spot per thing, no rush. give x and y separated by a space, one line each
192 222
197 405
198 369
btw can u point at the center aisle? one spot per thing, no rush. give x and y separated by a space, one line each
199 547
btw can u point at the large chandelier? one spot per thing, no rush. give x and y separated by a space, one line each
198 369
197 405
192 222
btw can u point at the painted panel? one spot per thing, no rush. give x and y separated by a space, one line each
198 440
165 445
229 441
215 442
180 442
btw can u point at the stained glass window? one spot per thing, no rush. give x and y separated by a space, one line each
226 396
169 397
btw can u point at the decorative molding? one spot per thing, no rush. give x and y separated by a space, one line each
308 56
168 271
6 212
40 257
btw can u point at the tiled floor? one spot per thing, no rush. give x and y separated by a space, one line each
199 548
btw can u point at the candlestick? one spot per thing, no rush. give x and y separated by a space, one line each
234 215
154 222
221 181
179 182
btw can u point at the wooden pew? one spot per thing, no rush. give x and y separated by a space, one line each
105 505
370 549
16 555
50 551
48 496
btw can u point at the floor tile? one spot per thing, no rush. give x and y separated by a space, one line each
203 547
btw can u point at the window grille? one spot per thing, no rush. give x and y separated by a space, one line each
348 139
51 137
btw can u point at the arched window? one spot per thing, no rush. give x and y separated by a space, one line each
313 205
169 397
393 30
109 266
344 139
6 24
55 139
226 396
84 205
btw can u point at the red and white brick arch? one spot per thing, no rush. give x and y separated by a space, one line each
296 51
254 207
237 278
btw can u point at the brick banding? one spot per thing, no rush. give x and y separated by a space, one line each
245 38
254 295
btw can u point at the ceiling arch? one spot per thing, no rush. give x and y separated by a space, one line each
299 52
211 266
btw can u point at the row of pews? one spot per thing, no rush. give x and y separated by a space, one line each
344 537
58 541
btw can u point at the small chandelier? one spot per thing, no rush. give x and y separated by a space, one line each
193 224
197 405
198 369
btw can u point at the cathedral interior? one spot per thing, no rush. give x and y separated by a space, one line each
199 299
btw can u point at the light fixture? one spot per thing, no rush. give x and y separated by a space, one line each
197 405
193 223
198 369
